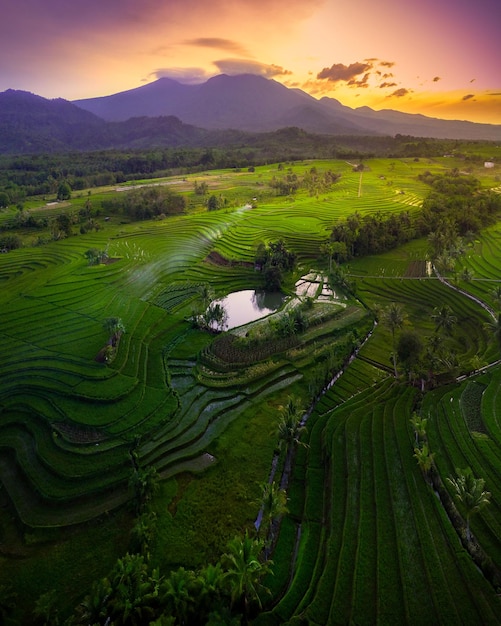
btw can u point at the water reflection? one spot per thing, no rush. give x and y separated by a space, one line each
249 305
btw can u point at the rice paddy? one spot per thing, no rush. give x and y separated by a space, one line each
366 541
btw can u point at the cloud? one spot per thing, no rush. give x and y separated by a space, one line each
400 93
248 66
385 85
468 97
362 82
217 42
340 72
387 63
436 79
186 75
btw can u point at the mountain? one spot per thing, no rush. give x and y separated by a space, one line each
256 104
245 102
223 111
30 123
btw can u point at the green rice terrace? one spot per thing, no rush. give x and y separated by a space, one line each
112 369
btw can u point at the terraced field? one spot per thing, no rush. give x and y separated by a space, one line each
366 541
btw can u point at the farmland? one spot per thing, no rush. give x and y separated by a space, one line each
372 543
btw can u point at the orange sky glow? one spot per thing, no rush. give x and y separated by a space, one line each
439 58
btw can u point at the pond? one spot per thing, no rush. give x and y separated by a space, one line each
249 305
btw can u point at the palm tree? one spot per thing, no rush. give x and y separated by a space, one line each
45 611
444 318
289 432
393 318
274 505
495 328
425 459
178 594
245 572
470 492
209 584
133 593
419 425
496 294
94 607
143 532
144 484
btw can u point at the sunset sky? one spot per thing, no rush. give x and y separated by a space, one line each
441 58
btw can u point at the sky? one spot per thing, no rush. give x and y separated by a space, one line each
441 58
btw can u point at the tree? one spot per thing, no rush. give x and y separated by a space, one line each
444 318
334 250
496 294
210 583
244 572
143 532
45 611
289 431
4 200
133 593
64 191
274 505
114 325
215 316
95 256
393 318
178 594
419 425
144 484
495 328
470 493
425 458
213 203
409 348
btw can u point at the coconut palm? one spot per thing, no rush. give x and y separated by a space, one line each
425 458
144 484
245 572
289 430
209 584
45 611
496 294
274 505
419 425
495 328
393 318
444 318
470 493
178 594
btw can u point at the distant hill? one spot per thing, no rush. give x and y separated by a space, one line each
32 124
253 103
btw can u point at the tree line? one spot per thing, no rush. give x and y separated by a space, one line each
23 176
455 208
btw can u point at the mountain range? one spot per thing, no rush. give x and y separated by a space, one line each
169 113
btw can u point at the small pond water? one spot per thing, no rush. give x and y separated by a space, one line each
249 305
